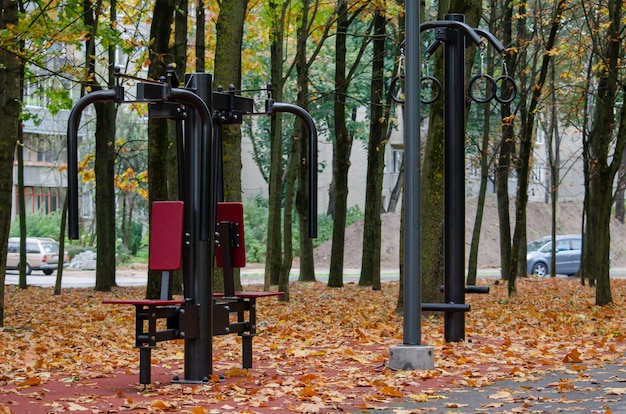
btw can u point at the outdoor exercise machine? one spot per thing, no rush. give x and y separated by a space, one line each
452 32
198 228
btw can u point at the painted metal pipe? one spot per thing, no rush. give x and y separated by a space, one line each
72 153
412 295
454 176
200 213
301 113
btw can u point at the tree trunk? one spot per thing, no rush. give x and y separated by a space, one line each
307 264
292 174
507 151
379 116
21 211
229 32
179 50
400 302
273 257
480 204
158 140
343 147
554 161
396 192
433 200
528 121
601 146
484 171
200 37
620 211
10 107
104 162
60 267
105 195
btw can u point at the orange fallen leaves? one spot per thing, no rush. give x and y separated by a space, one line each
572 356
324 351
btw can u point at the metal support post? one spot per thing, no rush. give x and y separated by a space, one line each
454 177
412 355
199 234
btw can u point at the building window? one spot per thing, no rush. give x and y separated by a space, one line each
33 93
474 170
397 160
43 148
42 200
538 173
87 207
541 136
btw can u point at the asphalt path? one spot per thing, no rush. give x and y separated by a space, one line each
129 277
599 390
249 276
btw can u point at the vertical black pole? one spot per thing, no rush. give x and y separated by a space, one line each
199 224
412 248
454 172
412 354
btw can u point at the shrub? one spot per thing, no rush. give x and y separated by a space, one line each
255 217
39 225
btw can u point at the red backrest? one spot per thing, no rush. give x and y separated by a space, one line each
233 212
166 235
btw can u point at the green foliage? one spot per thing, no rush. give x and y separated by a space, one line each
39 225
135 239
325 224
255 218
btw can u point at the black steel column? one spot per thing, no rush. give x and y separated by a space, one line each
412 248
454 177
199 224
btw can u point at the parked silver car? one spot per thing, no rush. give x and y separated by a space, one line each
539 252
41 254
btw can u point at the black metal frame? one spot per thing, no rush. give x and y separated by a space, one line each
199 113
453 32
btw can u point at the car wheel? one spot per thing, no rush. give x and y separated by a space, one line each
540 269
28 269
47 272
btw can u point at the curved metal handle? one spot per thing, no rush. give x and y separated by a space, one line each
72 153
179 95
312 131
492 39
453 24
207 186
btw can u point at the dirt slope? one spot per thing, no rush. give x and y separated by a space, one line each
539 218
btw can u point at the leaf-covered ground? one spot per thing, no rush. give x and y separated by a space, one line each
325 351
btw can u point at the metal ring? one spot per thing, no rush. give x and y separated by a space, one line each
512 87
392 89
436 86
491 85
